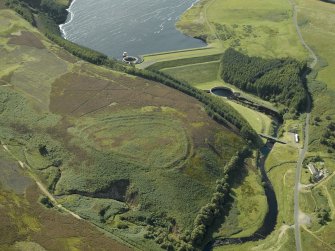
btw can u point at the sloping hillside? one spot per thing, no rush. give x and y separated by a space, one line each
132 156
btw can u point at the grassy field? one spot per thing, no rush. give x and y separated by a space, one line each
121 151
260 122
280 166
316 19
195 73
185 61
190 54
281 154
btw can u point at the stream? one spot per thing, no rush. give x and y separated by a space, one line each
270 219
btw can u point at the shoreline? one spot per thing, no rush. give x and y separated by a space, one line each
62 30
194 3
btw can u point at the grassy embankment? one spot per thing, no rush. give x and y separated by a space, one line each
123 152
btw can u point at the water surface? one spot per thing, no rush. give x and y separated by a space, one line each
136 26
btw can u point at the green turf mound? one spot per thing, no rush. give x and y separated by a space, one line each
149 139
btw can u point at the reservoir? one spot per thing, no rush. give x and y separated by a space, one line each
136 26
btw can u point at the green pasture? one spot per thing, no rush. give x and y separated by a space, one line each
281 154
152 59
195 73
311 242
316 20
185 61
283 180
260 122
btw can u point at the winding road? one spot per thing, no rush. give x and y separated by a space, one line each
306 133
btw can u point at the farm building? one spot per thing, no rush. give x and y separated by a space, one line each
316 174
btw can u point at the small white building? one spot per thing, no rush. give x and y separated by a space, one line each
296 138
312 169
316 174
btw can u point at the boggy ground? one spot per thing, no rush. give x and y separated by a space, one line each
120 151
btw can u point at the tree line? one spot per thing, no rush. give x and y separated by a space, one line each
200 232
276 80
51 8
21 8
215 208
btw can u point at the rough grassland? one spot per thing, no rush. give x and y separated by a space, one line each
260 27
121 151
144 138
249 206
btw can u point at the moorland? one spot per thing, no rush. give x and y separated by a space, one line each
144 155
